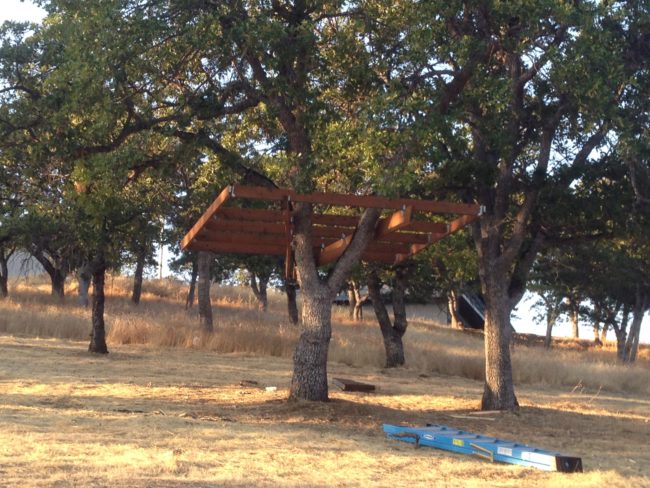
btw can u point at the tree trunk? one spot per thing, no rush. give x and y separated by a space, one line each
603 333
189 301
573 315
205 305
499 392
620 331
98 334
392 333
55 272
452 310
58 284
292 303
632 343
352 299
84 284
309 381
259 286
549 331
137 277
4 275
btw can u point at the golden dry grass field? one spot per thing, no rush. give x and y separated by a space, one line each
169 407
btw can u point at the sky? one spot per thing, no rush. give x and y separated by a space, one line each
20 11
523 317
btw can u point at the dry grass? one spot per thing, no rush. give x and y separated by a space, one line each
161 321
154 417
164 410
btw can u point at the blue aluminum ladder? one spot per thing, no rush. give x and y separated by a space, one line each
485 447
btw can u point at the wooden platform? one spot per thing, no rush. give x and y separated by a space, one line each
351 385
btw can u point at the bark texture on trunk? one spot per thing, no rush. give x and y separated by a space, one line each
499 392
292 302
98 334
137 276
189 301
205 304
392 333
309 381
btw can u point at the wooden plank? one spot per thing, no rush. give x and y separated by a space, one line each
460 222
207 215
425 226
337 220
251 214
243 237
378 257
260 192
333 251
237 248
351 385
222 225
398 220
362 201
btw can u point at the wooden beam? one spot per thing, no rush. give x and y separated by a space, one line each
398 220
363 201
251 214
337 220
260 192
242 237
222 225
460 222
207 215
426 227
333 251
237 248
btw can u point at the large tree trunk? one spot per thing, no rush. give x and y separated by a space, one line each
98 334
137 277
309 381
392 333
189 301
259 285
499 392
205 305
292 303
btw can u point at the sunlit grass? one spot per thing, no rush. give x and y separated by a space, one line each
161 321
